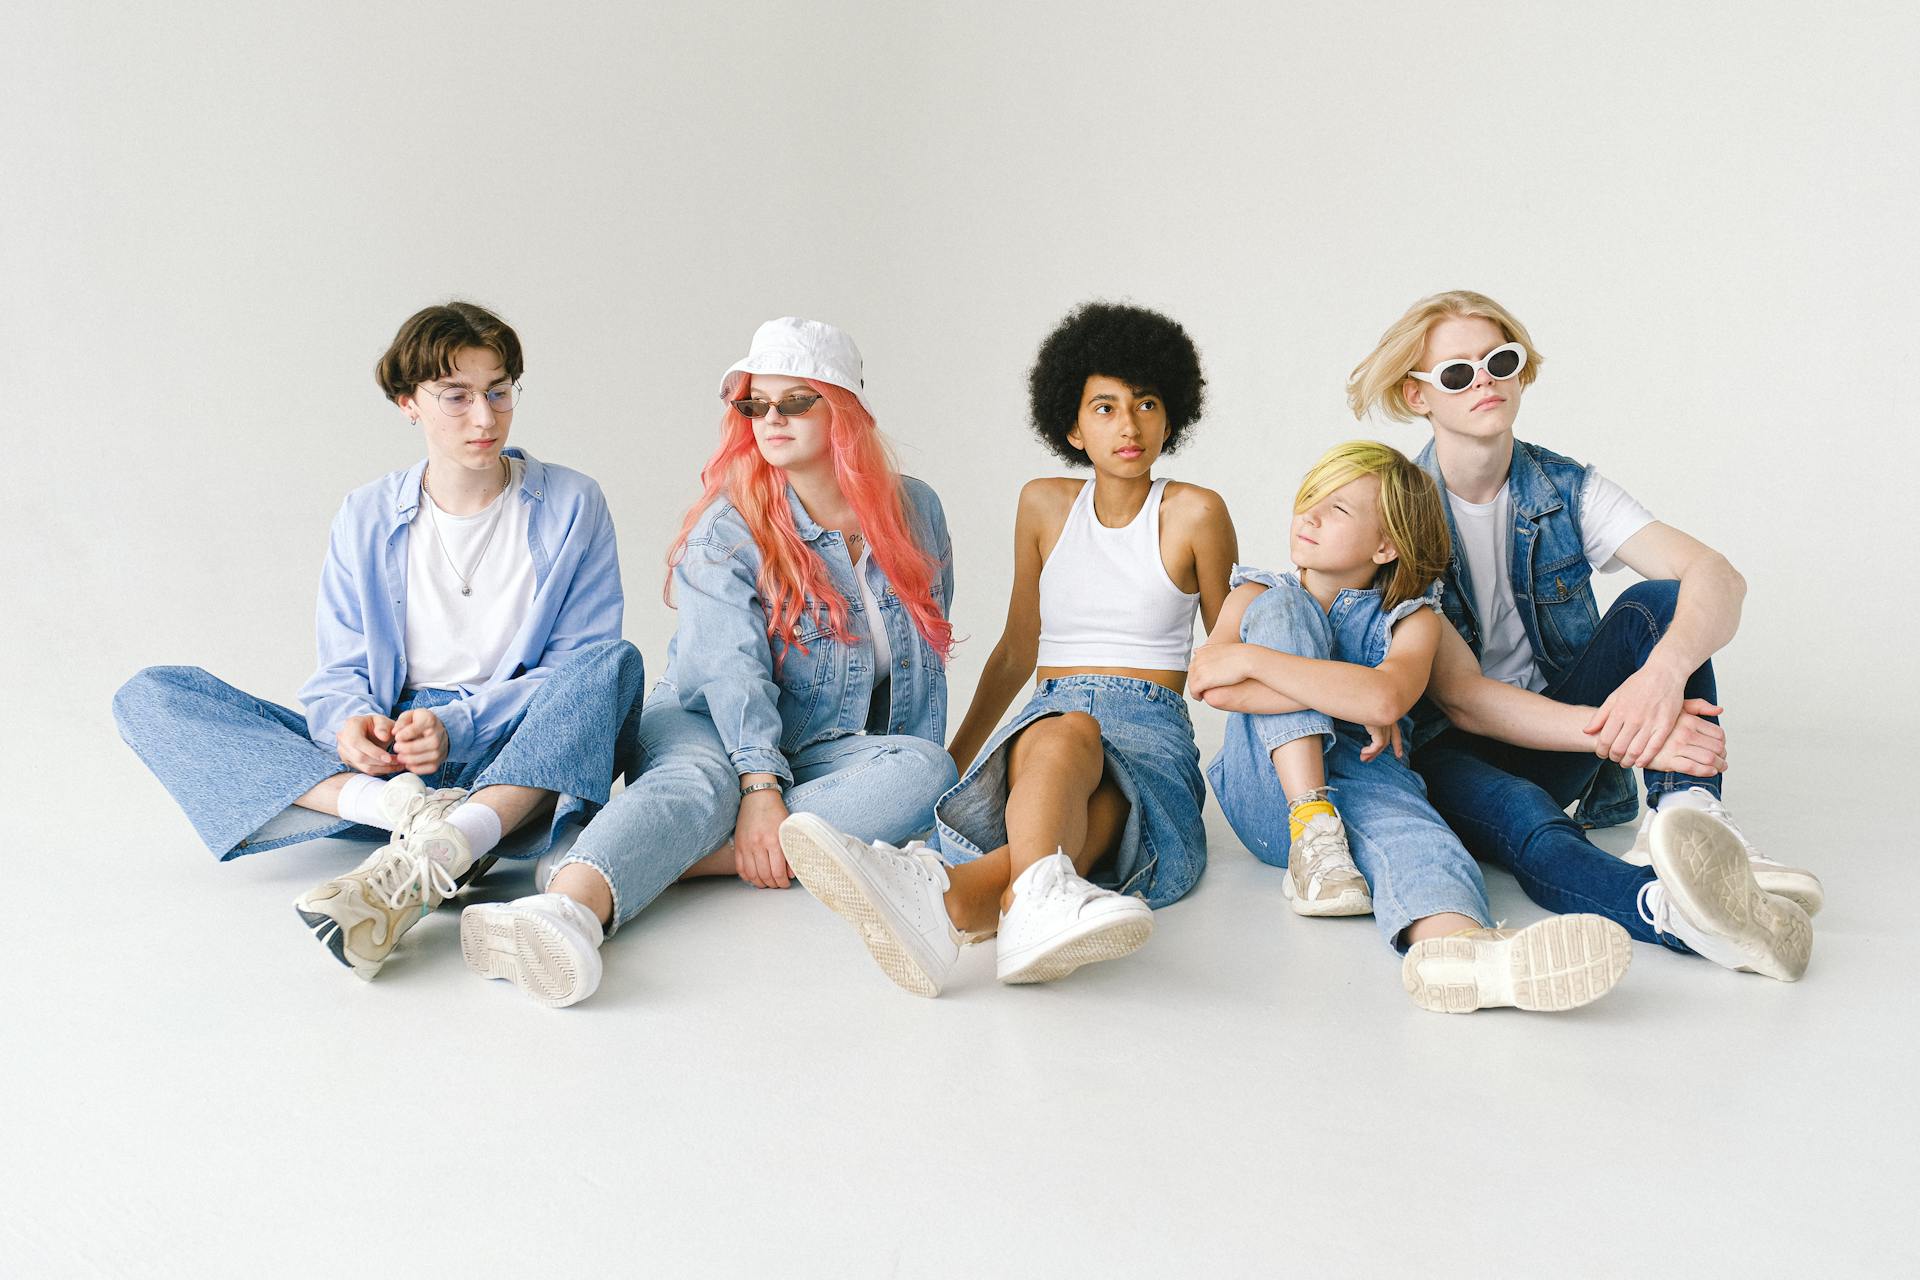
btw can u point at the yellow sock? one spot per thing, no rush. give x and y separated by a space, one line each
1301 814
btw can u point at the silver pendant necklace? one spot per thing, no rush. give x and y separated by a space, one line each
499 506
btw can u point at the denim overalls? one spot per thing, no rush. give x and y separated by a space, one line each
1414 865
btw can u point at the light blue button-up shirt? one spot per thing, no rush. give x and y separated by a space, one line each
362 614
721 662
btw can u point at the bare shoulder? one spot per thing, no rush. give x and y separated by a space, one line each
1193 506
1047 499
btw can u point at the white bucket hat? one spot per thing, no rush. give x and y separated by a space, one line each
796 348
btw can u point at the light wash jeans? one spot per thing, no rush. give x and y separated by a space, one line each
683 802
235 764
1413 863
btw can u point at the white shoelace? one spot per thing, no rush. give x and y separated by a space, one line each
1657 917
427 806
1056 882
407 871
913 859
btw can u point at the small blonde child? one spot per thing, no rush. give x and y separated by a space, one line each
1307 661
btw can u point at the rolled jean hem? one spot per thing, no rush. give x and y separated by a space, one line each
1397 923
1283 737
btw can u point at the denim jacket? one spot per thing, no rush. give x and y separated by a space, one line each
1552 592
362 612
722 663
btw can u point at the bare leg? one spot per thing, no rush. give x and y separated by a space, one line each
513 805
1058 798
1301 765
583 882
324 797
1437 926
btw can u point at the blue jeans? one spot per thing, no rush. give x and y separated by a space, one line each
236 764
1508 803
683 802
1414 866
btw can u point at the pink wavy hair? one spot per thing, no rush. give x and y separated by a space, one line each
790 571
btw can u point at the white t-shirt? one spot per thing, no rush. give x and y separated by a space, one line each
456 641
1608 517
876 625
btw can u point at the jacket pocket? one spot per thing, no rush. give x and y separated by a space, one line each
1563 603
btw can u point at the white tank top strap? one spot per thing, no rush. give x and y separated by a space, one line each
1105 597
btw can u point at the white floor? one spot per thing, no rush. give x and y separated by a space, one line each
195 1088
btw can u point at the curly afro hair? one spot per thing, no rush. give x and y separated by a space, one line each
1141 348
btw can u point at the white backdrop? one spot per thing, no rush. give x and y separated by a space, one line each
214 216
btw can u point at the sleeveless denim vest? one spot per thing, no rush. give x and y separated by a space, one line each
1552 592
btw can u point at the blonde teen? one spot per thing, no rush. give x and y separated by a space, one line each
472 683
1304 660
1538 700
1083 813
808 673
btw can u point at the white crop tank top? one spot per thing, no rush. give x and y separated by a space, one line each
1105 597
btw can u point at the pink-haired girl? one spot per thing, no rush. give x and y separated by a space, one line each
808 673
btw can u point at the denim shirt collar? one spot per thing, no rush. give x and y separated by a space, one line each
406 494
809 528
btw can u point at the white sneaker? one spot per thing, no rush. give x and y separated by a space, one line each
1321 878
1060 921
896 898
1803 887
361 915
548 945
1707 897
1558 963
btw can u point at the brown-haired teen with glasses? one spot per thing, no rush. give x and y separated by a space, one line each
472 695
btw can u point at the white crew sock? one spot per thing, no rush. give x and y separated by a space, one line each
1684 798
479 824
359 801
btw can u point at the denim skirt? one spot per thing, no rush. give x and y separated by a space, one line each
1151 756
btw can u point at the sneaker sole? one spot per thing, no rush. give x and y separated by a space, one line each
1350 903
1103 940
815 859
525 950
1800 887
332 919
1551 966
1707 874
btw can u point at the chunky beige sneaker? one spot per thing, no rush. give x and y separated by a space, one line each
1321 878
361 915
1559 963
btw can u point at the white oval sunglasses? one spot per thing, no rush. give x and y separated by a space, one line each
1455 376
